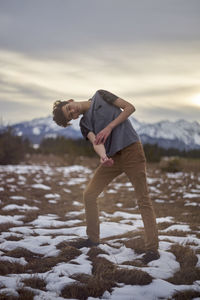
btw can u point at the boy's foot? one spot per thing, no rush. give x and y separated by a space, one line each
88 243
85 243
150 255
80 243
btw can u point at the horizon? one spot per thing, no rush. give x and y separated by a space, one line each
48 116
150 58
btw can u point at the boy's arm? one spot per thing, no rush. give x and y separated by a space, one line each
128 109
100 150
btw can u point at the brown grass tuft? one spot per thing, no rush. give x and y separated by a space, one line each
108 271
95 251
164 225
35 283
126 235
76 291
6 297
135 263
69 252
22 252
184 255
186 295
102 267
88 286
25 294
132 276
188 260
137 244
81 277
14 238
40 265
175 233
98 285
7 267
30 216
6 226
186 275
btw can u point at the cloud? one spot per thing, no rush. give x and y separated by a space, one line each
146 51
155 113
19 112
45 27
167 80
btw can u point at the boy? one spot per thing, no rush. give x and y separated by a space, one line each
105 123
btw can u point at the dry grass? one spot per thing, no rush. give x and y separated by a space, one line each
185 276
95 251
11 268
105 277
107 270
180 233
76 243
137 244
134 263
6 297
132 277
188 273
164 225
186 295
95 285
122 238
76 291
25 294
40 265
105 274
91 286
5 226
35 283
30 216
184 255
14 238
22 252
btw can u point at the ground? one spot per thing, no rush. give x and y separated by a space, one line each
42 225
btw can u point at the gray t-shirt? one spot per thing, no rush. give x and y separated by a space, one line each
102 111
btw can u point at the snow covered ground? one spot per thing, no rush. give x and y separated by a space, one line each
41 210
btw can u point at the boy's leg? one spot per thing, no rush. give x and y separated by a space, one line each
102 177
134 165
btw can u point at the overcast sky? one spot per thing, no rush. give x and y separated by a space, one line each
145 51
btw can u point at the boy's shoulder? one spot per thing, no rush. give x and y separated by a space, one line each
105 95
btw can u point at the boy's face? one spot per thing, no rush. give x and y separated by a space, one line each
71 110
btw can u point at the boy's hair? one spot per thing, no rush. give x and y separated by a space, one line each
58 115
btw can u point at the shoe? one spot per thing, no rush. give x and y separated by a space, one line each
150 255
85 243
88 243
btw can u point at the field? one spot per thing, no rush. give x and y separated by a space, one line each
42 223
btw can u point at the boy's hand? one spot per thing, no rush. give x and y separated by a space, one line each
106 161
101 137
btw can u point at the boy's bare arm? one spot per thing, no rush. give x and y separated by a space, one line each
128 109
100 150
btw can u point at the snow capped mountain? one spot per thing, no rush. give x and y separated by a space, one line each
180 134
37 129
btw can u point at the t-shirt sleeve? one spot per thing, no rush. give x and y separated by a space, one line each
108 96
86 127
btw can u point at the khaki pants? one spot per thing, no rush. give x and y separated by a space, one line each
131 160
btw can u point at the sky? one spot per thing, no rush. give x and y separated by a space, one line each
146 52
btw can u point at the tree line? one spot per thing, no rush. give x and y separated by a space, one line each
14 148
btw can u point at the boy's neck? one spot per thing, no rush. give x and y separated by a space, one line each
84 106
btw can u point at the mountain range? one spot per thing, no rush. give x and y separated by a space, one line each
179 134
